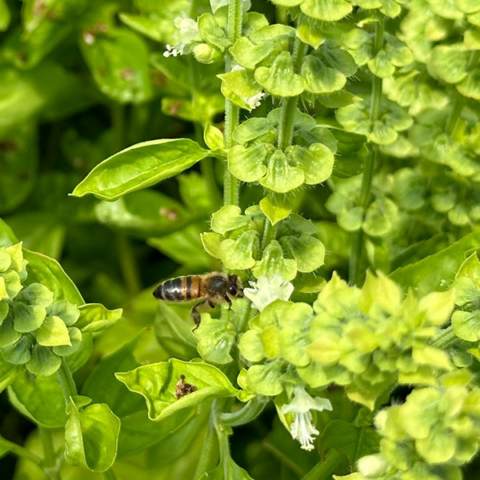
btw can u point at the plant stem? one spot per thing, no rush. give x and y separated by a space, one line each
287 115
268 234
50 458
224 447
128 264
66 381
444 338
454 115
208 450
355 273
246 414
325 469
118 125
232 111
458 102
109 475
246 312
206 165
21 451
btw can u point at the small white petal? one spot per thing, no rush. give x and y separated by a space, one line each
237 68
254 101
267 290
302 428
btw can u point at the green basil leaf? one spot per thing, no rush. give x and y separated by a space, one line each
354 441
118 61
157 383
7 237
19 159
94 317
102 386
140 166
229 470
91 436
437 271
48 272
39 398
4 15
326 10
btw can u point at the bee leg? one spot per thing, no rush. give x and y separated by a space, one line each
227 299
195 314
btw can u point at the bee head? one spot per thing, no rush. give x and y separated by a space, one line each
235 287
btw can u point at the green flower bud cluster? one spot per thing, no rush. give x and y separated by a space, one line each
391 120
207 37
411 89
264 62
326 11
365 339
445 199
274 345
373 335
379 218
256 158
322 10
458 151
428 23
35 331
393 55
235 240
430 436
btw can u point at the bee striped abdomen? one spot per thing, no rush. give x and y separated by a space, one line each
171 290
179 289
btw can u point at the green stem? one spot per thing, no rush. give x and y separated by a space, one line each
268 234
206 460
66 381
454 115
355 273
128 264
232 111
109 475
459 100
325 469
444 338
287 115
224 448
245 317
250 411
118 125
207 167
20 451
230 183
50 458
127 258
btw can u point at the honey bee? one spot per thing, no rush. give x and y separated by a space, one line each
212 288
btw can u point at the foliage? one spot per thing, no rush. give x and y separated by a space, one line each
332 153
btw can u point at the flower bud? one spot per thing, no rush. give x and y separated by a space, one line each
205 53
372 466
